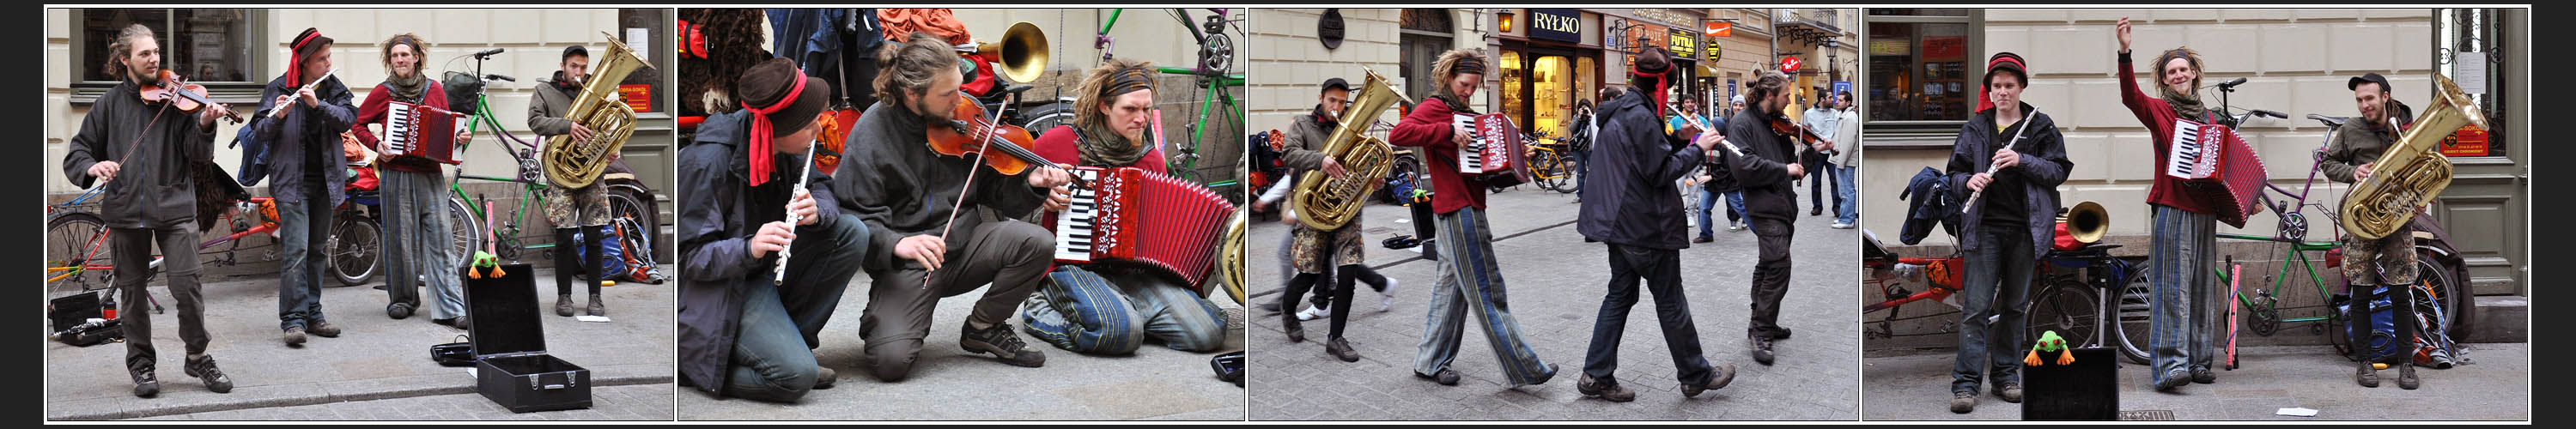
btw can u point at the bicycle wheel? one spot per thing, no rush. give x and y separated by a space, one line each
2450 294
2134 311
2067 307
76 241
1554 172
464 233
627 203
355 251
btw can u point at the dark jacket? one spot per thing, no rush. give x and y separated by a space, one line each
2355 143
718 213
1763 170
546 108
1634 165
2043 167
891 180
305 131
1307 135
153 188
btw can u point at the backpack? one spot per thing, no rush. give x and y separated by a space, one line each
2427 350
612 264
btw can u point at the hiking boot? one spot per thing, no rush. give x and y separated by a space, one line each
2366 376
398 311
597 308
203 368
145 385
1608 390
2202 375
2010 392
294 336
1341 349
563 304
1296 331
1725 374
1963 402
1762 351
2406 376
324 329
1002 343
824 376
2179 377
1819 211
1703 239
1446 377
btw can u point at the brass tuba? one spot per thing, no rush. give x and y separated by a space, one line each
575 164
1022 53
2087 222
1326 203
1229 263
2413 170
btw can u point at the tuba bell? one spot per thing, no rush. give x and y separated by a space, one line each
575 164
1022 52
1229 264
1326 203
2413 170
2087 222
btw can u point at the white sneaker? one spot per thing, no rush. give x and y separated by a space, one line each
1314 312
1387 297
1840 225
1735 226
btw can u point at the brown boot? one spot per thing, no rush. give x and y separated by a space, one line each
597 308
563 304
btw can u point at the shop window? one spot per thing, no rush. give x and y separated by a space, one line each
1922 66
206 45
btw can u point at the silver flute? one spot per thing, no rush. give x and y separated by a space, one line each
1980 194
280 111
780 275
1703 127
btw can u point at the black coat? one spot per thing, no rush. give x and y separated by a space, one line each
305 132
1629 192
719 212
153 188
1763 170
2043 167
893 181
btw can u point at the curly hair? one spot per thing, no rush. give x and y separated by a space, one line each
386 54
1447 67
908 67
122 47
1099 82
733 39
2189 56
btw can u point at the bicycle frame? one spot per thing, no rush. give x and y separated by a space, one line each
511 144
1212 86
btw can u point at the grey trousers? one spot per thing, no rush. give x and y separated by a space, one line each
417 243
1012 255
133 260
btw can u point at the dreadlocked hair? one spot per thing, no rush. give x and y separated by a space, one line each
386 54
2189 57
733 45
909 66
1101 80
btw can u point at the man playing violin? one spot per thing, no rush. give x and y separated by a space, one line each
305 111
1109 126
746 331
907 193
154 204
1769 162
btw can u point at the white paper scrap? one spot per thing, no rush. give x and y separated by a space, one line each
2297 412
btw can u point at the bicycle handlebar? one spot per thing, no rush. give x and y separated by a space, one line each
488 53
499 77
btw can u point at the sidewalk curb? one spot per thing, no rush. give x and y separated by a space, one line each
190 398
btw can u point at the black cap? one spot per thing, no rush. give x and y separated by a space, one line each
2370 78
1336 83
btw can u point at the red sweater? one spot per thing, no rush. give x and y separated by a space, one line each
2159 118
1057 145
1428 128
372 112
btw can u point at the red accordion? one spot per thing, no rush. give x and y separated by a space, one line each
415 132
1495 153
1130 215
2216 166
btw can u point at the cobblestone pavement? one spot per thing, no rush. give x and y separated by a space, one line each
2268 378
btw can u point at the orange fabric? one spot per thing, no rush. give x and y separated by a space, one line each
900 23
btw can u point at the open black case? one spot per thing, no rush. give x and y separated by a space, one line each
511 364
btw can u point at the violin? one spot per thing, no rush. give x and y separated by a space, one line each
973 132
1795 132
187 97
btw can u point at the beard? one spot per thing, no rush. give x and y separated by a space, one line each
150 74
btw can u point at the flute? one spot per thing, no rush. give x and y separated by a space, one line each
1721 141
780 275
1974 197
281 110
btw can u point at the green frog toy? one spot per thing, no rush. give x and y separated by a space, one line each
2050 342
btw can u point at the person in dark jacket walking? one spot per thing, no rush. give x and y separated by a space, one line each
2013 158
1470 279
1765 166
155 204
744 332
907 194
1638 166
305 159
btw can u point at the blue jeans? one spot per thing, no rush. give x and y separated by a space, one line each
2180 271
1111 313
1998 279
773 353
1735 206
1582 166
1470 280
304 227
416 244
1847 210
1708 203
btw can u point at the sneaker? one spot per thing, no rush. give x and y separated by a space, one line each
1703 239
1318 311
1608 390
203 368
597 308
398 311
1735 225
294 336
2406 376
1386 297
563 304
145 385
1762 351
1841 225
1445 378
1341 349
1002 343
824 376
2202 375
1963 402
2011 392
2177 378
2366 376
324 329
1725 374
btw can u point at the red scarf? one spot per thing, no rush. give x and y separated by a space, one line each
1656 93
295 57
761 158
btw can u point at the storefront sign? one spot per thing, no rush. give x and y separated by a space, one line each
2468 141
1842 86
1666 15
1721 29
1951 48
1789 65
1684 44
1563 25
1892 47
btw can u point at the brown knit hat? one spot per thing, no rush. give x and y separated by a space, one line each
785 100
